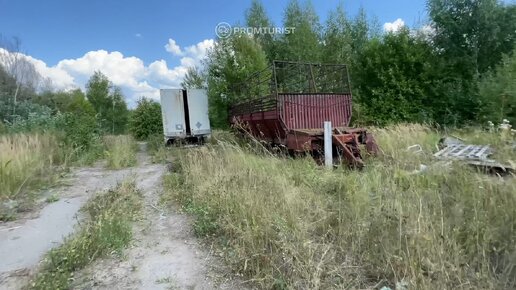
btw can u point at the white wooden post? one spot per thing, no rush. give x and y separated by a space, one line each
328 154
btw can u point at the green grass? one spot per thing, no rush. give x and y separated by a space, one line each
52 198
286 223
120 151
108 229
157 149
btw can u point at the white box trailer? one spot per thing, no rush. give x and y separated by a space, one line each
185 115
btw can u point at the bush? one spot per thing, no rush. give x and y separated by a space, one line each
31 118
498 92
146 119
80 131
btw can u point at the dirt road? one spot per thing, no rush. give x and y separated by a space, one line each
164 254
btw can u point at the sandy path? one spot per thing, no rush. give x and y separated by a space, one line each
24 242
164 254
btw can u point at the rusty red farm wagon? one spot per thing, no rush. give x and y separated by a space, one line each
288 103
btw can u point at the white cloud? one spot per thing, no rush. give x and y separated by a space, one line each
200 50
159 72
130 73
172 47
118 68
394 26
191 55
427 30
61 80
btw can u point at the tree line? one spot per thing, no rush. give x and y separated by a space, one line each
28 103
101 100
459 68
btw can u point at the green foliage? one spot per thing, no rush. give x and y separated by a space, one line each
426 75
146 119
30 117
229 64
205 223
120 151
256 16
7 86
22 109
97 92
395 80
108 103
80 131
338 38
157 149
79 104
22 86
77 128
304 44
471 36
194 79
108 230
117 118
66 102
498 92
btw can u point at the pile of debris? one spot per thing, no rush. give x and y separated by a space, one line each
475 155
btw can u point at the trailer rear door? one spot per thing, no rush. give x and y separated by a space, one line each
172 111
198 108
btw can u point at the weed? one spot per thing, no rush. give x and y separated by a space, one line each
120 151
165 280
27 161
52 198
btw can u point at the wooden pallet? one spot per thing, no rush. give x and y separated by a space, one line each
475 155
464 151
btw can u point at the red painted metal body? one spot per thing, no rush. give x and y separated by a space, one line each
310 111
296 120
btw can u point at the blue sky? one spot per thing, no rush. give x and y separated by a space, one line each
88 33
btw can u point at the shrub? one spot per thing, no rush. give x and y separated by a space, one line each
146 119
33 118
80 131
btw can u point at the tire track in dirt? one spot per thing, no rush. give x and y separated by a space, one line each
164 254
24 242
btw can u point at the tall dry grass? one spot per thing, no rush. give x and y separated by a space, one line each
26 161
290 224
120 151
